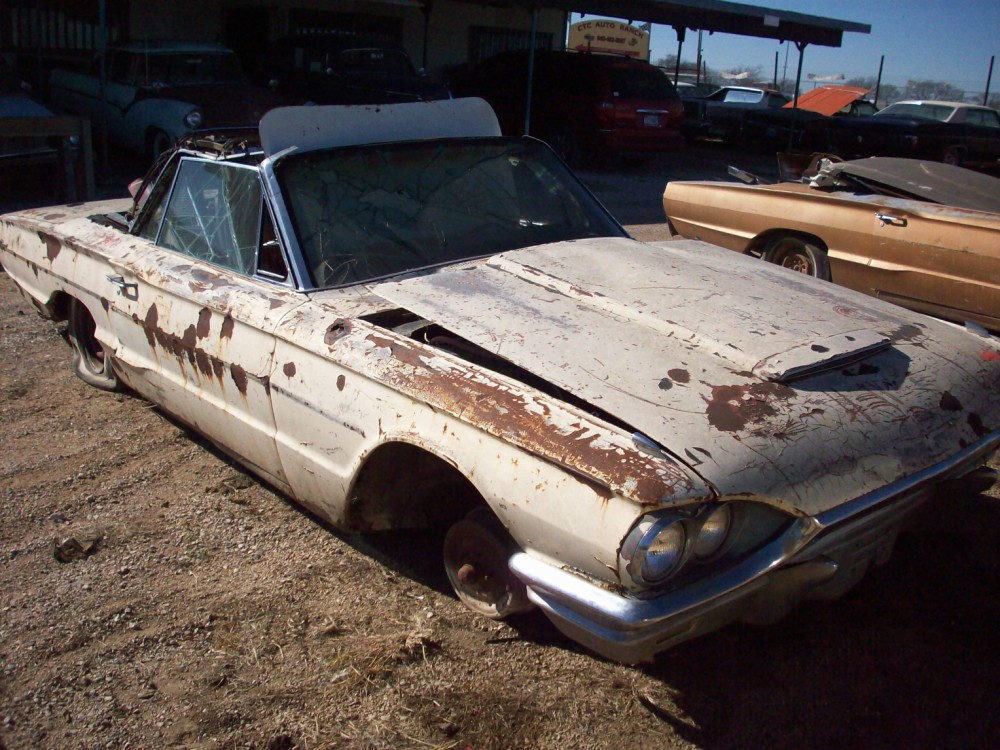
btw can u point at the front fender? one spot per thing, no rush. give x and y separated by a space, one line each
150 114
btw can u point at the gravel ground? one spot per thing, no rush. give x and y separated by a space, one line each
154 595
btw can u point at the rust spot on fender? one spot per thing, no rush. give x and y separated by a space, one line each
239 376
949 402
151 324
337 330
401 352
52 245
679 376
106 304
341 382
204 322
289 369
227 327
203 362
190 338
976 423
990 356
54 217
592 453
733 407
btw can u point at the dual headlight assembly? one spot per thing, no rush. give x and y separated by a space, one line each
662 544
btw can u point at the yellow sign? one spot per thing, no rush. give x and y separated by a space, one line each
606 37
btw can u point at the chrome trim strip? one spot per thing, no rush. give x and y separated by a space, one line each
940 470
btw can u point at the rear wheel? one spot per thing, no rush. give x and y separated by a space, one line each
476 551
799 254
90 362
953 156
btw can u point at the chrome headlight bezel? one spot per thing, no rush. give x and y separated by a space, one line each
193 119
703 537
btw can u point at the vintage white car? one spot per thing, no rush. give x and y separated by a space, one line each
403 320
156 91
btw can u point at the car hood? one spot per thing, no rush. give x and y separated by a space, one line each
762 381
828 100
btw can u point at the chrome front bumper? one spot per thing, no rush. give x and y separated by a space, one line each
817 557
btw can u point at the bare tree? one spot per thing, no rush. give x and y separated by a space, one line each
932 90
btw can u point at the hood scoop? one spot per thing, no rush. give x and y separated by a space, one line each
832 352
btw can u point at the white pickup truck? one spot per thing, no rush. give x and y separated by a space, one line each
157 92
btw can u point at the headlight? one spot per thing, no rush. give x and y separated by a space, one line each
654 549
193 119
714 532
664 552
682 544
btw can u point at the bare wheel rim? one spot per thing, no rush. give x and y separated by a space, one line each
797 261
799 255
475 561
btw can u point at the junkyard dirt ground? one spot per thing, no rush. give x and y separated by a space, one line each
198 608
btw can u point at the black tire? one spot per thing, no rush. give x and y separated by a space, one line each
159 142
799 254
91 363
476 551
953 156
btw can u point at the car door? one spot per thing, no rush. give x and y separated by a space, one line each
938 260
197 304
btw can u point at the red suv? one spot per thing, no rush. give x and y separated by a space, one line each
584 105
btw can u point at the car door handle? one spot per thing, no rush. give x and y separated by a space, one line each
891 220
126 289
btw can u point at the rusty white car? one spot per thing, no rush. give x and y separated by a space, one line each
921 234
403 320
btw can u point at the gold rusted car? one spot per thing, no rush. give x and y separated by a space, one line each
923 235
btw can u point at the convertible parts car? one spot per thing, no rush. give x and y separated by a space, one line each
405 321
920 234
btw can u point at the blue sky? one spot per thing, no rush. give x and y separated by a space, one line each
921 39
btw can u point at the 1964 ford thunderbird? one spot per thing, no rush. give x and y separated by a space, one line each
403 320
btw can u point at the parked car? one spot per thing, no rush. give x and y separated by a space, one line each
158 91
720 114
785 126
331 69
923 235
31 161
688 90
403 320
584 105
951 132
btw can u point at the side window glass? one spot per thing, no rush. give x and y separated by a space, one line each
270 262
213 215
152 206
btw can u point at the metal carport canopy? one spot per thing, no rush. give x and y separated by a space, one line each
704 15
709 15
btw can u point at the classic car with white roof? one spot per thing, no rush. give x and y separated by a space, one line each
403 320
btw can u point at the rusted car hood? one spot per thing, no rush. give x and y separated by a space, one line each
727 362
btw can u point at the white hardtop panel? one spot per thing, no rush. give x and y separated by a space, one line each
311 128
